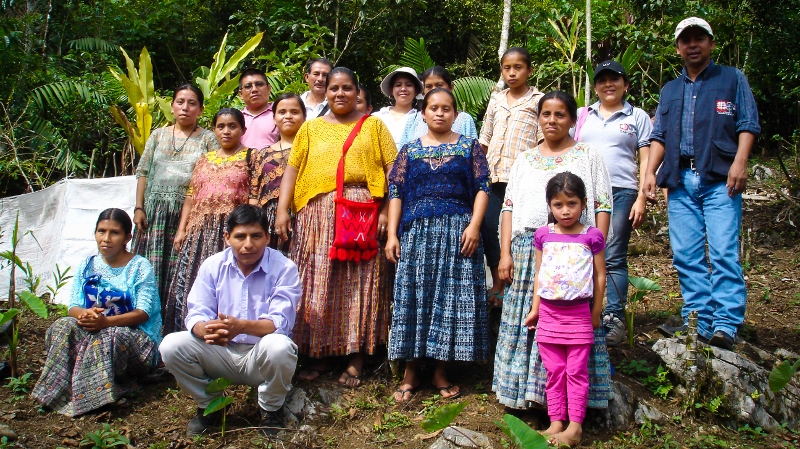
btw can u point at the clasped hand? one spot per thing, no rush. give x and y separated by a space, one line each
93 320
221 330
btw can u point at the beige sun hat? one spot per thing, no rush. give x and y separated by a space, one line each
386 84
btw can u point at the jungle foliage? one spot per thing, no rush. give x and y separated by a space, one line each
58 89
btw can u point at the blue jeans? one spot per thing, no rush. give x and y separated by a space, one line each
491 224
701 212
617 252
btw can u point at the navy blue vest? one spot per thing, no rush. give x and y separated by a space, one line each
715 137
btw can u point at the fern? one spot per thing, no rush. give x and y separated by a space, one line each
61 93
472 94
93 44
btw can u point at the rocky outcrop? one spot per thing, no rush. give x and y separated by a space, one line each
742 383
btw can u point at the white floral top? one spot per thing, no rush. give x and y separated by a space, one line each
525 193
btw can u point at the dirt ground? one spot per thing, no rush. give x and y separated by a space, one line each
156 416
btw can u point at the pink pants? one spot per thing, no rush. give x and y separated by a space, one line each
567 386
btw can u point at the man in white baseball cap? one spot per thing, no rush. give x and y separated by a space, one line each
704 129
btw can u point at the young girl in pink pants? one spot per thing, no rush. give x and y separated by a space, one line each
570 272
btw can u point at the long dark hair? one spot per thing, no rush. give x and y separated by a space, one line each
237 114
567 183
567 99
193 88
439 71
287 96
118 215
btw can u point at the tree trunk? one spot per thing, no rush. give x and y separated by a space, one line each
503 39
588 49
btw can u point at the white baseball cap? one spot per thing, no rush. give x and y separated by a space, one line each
693 22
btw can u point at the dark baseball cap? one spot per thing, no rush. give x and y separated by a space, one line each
612 66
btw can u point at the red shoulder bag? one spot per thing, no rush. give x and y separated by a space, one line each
356 227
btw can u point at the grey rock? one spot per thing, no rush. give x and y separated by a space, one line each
620 411
743 384
455 437
329 397
6 431
762 172
785 354
646 412
298 403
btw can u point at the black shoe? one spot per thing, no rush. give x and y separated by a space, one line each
669 331
271 422
722 340
200 423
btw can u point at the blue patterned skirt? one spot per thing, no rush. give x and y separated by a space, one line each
440 308
519 375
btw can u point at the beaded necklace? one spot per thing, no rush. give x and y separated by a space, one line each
178 150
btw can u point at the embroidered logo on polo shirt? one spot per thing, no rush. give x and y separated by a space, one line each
725 107
628 128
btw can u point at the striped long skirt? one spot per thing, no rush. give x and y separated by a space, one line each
155 244
201 242
440 306
86 370
519 375
345 305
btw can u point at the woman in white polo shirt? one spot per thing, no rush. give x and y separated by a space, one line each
618 131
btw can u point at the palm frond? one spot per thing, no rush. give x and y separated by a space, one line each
415 55
93 44
472 94
61 93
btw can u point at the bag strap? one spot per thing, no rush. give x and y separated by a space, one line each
345 147
583 113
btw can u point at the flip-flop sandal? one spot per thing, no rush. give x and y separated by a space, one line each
499 295
358 379
403 392
447 389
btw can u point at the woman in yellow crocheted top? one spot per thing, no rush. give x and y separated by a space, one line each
345 305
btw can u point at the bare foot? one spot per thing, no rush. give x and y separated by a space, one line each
571 437
555 427
352 375
314 371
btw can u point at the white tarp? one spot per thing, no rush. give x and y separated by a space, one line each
61 218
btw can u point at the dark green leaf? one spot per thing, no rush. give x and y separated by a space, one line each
217 385
34 302
781 374
644 284
443 416
521 434
8 315
218 404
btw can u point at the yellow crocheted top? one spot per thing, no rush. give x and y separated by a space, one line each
317 149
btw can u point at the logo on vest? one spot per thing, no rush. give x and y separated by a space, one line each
725 107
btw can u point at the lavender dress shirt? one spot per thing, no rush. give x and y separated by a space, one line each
271 291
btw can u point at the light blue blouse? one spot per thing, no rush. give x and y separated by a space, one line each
136 278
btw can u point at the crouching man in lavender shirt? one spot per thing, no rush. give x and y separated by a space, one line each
241 311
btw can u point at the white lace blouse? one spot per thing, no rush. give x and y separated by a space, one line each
525 193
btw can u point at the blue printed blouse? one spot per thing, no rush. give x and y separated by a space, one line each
438 180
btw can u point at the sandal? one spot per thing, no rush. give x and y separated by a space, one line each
351 380
499 296
403 392
446 389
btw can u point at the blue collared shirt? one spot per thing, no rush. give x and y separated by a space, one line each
270 292
746 110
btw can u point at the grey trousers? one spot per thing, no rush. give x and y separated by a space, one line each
269 364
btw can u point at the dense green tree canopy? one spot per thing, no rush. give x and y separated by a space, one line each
56 88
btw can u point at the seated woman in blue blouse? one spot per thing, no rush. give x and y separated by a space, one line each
112 333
